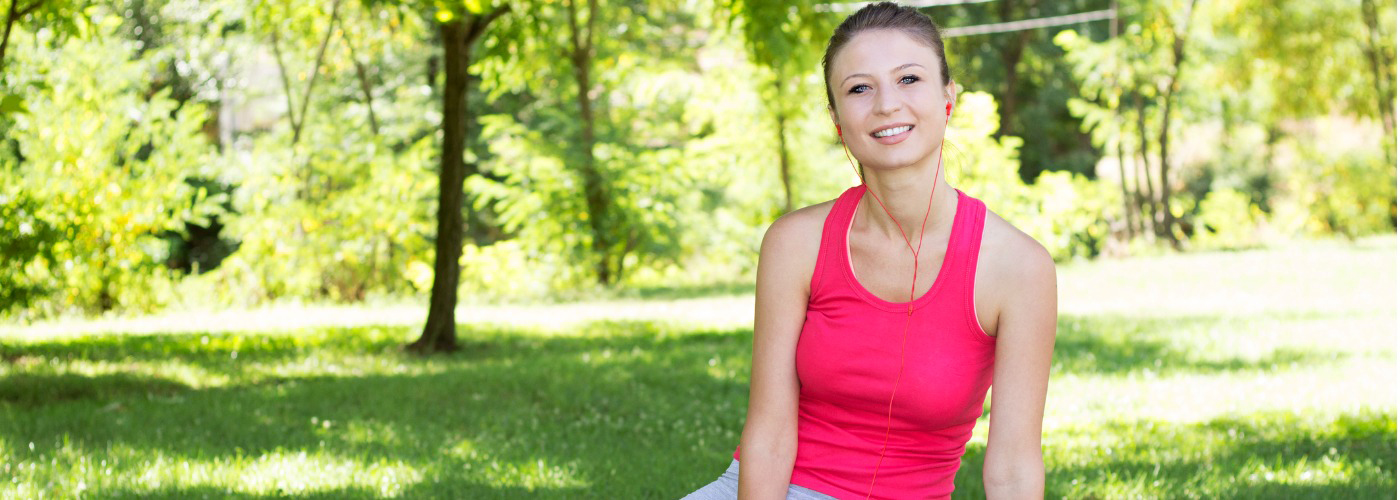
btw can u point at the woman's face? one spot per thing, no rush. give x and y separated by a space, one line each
889 101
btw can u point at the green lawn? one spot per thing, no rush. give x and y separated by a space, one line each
1264 374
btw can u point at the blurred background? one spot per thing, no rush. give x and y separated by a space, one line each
576 189
162 153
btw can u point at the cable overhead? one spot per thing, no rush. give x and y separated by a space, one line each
1030 24
843 7
983 29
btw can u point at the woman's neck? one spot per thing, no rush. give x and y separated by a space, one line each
905 194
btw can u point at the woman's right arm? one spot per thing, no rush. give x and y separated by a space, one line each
768 446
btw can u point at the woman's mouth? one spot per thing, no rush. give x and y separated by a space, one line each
892 135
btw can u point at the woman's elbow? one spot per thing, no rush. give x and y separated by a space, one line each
1022 477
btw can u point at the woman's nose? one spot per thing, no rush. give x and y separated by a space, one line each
887 102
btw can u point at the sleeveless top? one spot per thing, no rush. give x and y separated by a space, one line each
848 359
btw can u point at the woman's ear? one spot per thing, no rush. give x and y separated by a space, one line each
837 123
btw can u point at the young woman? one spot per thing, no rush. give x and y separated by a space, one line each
883 316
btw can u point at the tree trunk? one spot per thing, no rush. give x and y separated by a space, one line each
440 332
784 165
1178 57
1150 193
458 38
594 188
1129 214
1381 72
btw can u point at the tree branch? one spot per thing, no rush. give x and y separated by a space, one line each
479 25
316 69
5 40
286 82
573 28
10 19
592 22
30 9
365 86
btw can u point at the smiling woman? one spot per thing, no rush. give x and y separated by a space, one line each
870 371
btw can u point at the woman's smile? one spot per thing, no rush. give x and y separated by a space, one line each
892 135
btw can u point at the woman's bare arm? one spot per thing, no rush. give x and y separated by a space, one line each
768 446
1014 466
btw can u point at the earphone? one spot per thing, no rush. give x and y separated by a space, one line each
909 313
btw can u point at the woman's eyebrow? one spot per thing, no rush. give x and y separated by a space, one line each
896 70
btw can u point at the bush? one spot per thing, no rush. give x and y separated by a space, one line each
1227 220
98 171
1348 192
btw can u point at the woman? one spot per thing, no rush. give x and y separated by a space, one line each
859 389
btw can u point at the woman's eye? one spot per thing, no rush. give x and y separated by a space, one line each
859 88
907 79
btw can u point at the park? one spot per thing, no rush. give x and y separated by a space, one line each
477 249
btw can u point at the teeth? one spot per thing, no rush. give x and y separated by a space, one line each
892 131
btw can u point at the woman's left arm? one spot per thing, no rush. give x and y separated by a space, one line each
1014 466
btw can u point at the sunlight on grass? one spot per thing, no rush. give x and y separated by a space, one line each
127 470
1190 399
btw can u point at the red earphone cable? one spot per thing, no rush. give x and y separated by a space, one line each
909 313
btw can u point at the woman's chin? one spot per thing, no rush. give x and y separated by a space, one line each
892 162
886 158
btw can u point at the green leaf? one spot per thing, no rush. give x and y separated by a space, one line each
12 103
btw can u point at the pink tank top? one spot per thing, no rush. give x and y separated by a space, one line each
848 357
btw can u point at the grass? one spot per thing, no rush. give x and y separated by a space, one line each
1248 376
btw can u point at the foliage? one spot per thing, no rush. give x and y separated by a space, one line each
344 212
540 155
27 243
1027 68
1063 211
213 136
106 162
1228 220
1345 192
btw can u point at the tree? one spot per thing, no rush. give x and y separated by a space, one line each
589 158
784 38
1169 89
460 29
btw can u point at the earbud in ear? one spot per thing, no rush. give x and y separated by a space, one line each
950 109
838 131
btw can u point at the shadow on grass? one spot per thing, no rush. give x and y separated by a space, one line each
1261 456
36 389
634 413
1116 345
612 409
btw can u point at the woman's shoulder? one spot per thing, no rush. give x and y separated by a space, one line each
803 221
1009 255
793 241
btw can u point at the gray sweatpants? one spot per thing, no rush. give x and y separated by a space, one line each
727 488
